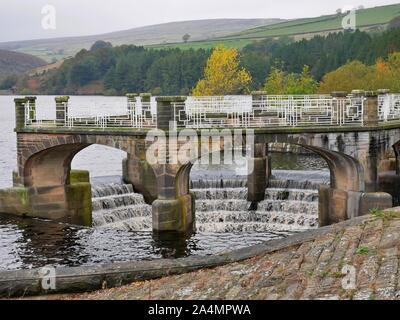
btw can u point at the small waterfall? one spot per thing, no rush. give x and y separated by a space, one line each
218 183
284 209
221 205
118 206
291 203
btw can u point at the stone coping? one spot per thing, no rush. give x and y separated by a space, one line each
395 124
89 278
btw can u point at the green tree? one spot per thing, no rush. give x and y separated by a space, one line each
306 84
8 82
276 82
100 44
279 82
354 75
186 37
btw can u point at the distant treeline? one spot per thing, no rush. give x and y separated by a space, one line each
174 71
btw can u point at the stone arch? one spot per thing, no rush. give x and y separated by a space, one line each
50 156
346 172
51 166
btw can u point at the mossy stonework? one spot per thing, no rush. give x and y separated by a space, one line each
77 176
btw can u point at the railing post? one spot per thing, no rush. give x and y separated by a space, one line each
257 98
19 113
258 95
166 112
32 107
371 114
339 98
61 110
131 102
145 97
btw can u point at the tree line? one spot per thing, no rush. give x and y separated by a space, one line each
277 65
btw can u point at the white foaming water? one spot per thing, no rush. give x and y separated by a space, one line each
221 206
118 206
227 210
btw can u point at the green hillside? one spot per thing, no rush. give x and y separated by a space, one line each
364 18
370 19
199 30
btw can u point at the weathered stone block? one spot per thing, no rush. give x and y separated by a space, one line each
14 201
79 198
377 200
371 109
173 215
338 205
332 206
390 182
353 204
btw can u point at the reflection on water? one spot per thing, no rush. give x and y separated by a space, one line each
30 243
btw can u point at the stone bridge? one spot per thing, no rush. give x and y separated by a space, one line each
362 158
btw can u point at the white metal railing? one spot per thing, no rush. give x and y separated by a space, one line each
135 114
269 111
209 112
218 104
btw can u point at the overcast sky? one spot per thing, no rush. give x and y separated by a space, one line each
22 19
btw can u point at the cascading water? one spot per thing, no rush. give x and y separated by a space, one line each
118 206
221 205
227 210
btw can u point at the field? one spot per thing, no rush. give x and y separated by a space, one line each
199 30
366 19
